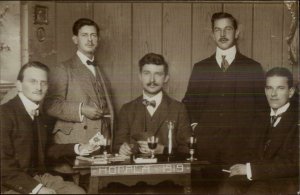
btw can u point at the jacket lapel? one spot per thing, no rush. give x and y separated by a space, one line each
107 97
85 78
277 135
161 114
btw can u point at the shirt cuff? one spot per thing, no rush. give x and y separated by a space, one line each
249 172
76 149
37 189
80 115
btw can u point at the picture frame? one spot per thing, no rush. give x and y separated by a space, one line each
40 14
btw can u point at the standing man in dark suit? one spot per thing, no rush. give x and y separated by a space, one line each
224 94
78 96
24 139
275 169
149 114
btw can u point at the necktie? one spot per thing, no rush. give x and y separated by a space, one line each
88 62
35 112
274 119
149 103
224 63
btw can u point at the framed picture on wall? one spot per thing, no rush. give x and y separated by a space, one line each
40 14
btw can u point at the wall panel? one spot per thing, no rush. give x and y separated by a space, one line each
177 45
114 52
146 35
243 13
10 39
66 15
203 43
267 34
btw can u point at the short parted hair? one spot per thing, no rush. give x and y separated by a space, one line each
222 15
34 64
153 58
282 72
84 22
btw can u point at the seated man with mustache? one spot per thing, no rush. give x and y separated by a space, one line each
148 115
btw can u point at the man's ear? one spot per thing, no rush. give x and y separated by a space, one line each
212 36
291 92
237 34
19 85
75 39
140 76
167 79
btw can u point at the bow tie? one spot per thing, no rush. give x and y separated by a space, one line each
88 62
149 103
35 112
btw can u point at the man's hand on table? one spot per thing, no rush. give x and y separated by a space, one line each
238 169
86 149
143 147
126 149
45 190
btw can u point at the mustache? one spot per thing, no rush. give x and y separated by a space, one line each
223 39
152 83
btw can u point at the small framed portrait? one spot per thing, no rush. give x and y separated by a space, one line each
41 34
40 14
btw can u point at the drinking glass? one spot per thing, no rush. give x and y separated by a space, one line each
192 147
106 147
152 144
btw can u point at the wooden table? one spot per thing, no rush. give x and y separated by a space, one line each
129 173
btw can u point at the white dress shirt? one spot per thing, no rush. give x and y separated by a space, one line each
28 104
229 53
279 111
157 98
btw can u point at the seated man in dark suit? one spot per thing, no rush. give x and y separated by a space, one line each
276 168
149 114
24 139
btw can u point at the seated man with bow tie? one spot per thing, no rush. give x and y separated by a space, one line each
25 143
149 114
275 168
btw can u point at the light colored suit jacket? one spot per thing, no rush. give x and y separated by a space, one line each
72 83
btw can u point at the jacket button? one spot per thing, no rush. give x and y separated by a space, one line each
85 126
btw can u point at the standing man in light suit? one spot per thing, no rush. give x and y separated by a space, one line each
78 95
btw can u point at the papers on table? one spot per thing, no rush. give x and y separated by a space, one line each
103 159
145 160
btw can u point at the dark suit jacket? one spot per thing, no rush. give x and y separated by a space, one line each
71 84
275 166
279 159
224 106
131 121
16 147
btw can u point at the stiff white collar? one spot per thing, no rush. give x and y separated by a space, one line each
83 59
157 98
280 110
28 104
229 53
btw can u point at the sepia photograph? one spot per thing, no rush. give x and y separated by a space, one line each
149 97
